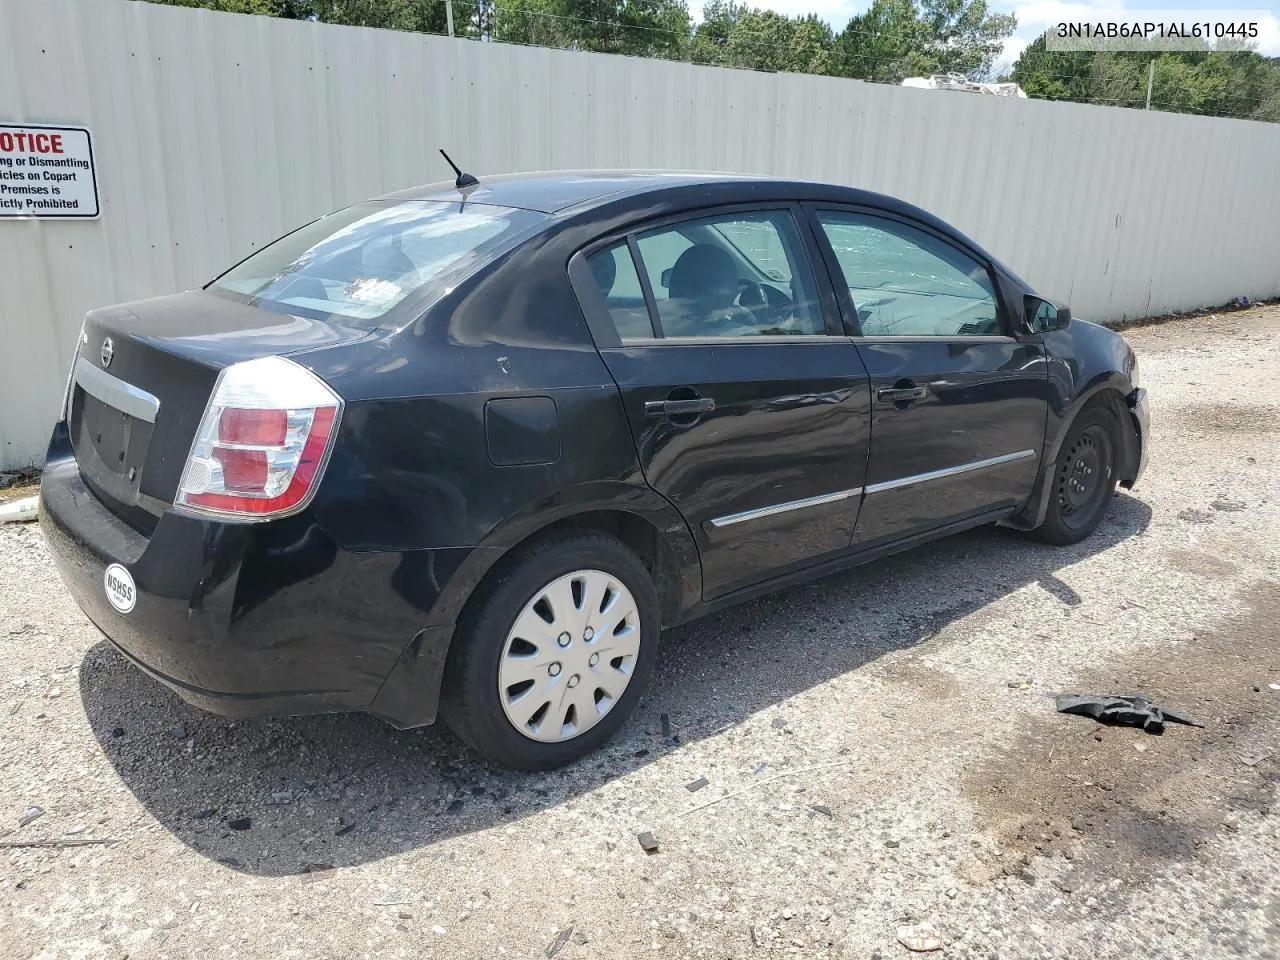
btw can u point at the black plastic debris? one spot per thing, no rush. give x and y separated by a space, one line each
666 725
1127 709
240 823
648 842
821 808
693 786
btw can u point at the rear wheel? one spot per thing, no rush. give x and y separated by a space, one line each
555 652
1084 478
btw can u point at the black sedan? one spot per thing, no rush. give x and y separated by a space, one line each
469 448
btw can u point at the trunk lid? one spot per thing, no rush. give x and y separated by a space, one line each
142 375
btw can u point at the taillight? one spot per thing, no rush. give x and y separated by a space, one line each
263 442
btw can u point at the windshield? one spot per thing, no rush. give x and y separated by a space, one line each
361 262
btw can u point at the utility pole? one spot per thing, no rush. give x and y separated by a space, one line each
1151 73
448 13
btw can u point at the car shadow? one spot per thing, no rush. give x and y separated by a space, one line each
288 796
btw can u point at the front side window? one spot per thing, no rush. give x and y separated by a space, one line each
906 282
737 275
360 263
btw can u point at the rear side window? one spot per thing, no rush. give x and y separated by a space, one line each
906 282
362 262
615 274
738 275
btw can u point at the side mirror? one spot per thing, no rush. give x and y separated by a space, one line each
1042 316
665 278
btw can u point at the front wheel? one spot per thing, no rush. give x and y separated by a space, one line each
554 654
1084 478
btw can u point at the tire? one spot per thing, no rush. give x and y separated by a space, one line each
511 653
1084 477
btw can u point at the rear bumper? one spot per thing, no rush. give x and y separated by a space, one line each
252 620
1140 414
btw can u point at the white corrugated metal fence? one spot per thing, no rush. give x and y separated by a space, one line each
214 133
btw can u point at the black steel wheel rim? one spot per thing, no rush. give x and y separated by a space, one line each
1084 476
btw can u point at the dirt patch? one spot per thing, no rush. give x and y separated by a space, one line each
909 672
17 484
1118 798
1201 563
1221 417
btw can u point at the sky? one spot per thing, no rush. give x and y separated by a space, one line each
1035 16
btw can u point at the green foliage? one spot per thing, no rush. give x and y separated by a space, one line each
640 28
892 40
1207 82
738 36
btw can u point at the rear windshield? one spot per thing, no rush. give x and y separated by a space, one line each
362 262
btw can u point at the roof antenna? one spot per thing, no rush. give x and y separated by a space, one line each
464 179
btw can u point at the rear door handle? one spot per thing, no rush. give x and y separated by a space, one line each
899 394
678 408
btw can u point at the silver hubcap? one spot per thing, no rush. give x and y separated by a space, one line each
569 656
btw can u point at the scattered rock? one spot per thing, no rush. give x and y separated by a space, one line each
892 844
315 872
922 938
117 732
1195 516
1253 759
778 723
240 823
556 945
666 725
648 841
821 808
393 898
1227 506
579 937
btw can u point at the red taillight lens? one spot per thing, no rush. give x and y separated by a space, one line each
262 443
243 471
264 428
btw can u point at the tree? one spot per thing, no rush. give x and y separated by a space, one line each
737 36
895 39
423 16
1212 82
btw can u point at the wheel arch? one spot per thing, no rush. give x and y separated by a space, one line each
1109 392
637 515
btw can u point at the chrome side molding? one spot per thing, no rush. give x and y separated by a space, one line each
948 471
746 515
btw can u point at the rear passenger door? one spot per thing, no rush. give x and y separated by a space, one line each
958 401
748 406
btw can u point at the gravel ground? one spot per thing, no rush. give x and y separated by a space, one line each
881 746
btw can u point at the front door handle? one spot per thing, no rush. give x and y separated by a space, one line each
900 394
679 408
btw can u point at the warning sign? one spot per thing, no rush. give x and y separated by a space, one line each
47 172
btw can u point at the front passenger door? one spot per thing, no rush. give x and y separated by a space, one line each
958 403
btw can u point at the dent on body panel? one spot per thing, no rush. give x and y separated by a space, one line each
1082 357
